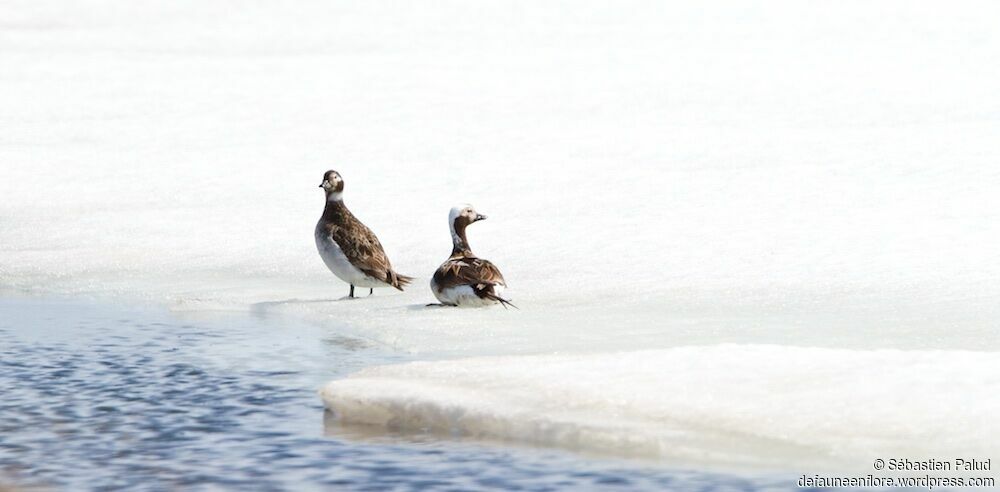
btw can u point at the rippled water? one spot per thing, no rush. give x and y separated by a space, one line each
99 397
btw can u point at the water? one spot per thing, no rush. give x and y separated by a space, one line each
99 397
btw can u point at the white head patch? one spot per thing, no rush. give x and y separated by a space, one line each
460 209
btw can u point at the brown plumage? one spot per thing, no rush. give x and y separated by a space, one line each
360 245
477 273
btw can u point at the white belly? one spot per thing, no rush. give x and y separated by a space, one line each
463 295
338 263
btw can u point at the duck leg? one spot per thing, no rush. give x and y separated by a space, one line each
371 291
351 295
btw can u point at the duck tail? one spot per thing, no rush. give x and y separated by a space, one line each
503 302
399 280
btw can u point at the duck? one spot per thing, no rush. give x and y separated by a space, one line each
464 279
348 247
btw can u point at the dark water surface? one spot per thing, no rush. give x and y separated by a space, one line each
97 397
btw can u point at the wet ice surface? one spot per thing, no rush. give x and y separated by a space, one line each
98 397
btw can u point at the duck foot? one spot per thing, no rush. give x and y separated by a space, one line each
350 295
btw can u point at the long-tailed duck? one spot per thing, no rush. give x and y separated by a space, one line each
349 248
465 280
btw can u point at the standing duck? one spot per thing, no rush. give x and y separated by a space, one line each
349 248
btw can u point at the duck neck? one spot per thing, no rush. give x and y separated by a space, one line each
334 206
460 244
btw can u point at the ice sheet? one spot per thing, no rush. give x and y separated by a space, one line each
657 175
744 405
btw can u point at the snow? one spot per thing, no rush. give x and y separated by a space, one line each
657 175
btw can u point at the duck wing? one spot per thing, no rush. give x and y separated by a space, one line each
477 273
363 249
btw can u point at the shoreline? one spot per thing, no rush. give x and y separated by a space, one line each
422 413
376 396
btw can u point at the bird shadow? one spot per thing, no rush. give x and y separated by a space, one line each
424 307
